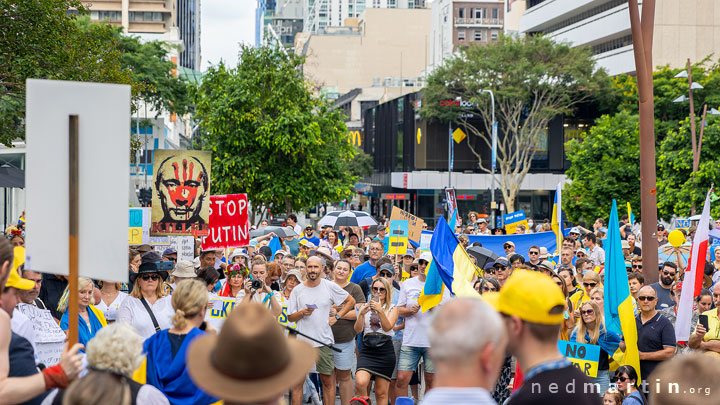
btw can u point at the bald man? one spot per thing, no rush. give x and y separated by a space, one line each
656 335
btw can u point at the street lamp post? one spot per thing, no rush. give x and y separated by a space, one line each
493 158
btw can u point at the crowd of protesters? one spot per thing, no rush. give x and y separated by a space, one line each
330 315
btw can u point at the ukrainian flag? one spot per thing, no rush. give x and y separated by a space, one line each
619 315
433 289
556 223
631 217
452 261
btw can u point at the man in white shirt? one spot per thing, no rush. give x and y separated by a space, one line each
415 342
309 306
292 223
467 340
596 254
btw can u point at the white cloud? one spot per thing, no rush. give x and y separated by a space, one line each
225 24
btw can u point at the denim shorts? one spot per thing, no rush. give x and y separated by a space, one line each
410 357
344 359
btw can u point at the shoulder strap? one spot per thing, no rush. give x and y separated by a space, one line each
150 312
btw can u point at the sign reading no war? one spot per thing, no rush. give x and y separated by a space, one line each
583 356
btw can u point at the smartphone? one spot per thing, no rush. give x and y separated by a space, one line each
167 266
311 306
703 319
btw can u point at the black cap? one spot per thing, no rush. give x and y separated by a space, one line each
266 251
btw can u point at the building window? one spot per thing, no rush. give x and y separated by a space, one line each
478 35
480 13
461 35
495 13
461 13
494 36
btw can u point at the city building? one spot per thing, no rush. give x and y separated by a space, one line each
514 10
135 16
683 29
411 165
188 23
321 14
383 47
458 23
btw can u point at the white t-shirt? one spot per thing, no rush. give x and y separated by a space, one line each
415 332
132 311
110 311
21 324
369 328
325 295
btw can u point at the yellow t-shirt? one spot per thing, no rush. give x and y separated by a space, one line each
713 332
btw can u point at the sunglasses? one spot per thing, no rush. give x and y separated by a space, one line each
621 379
591 285
506 246
153 277
667 273
646 298
587 312
385 274
490 271
637 266
378 289
534 253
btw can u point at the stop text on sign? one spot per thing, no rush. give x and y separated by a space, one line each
229 226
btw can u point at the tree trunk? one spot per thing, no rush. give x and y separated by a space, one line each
288 206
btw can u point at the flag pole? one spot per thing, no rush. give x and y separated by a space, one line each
73 232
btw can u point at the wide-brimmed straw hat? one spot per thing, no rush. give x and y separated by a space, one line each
251 360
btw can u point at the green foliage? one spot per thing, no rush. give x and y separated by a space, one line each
533 78
604 165
362 164
270 137
678 187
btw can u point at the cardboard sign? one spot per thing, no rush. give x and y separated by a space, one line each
583 356
415 224
103 112
514 219
138 226
452 204
229 225
681 223
398 237
221 308
425 240
184 245
181 193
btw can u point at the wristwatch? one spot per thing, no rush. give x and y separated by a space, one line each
337 316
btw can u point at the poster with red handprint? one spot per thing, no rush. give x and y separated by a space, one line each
181 193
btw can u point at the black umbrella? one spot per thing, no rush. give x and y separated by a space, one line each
280 231
11 177
483 256
347 218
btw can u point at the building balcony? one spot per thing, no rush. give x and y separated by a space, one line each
479 22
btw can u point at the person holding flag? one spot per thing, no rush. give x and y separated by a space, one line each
556 223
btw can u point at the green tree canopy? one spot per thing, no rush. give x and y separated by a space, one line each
534 79
270 137
604 165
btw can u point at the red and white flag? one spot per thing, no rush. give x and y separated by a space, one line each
692 283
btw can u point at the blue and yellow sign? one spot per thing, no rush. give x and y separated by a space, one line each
135 226
583 356
399 230
514 219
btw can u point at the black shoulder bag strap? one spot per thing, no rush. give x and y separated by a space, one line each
150 312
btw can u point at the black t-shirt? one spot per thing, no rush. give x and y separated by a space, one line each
51 290
22 362
175 342
653 335
566 385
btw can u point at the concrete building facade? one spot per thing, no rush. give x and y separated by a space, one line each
321 14
136 16
683 29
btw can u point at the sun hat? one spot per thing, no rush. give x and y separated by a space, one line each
237 252
250 360
533 297
296 273
148 268
184 269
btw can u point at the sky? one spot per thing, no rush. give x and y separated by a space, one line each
225 24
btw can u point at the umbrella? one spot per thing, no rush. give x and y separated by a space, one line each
11 177
483 256
280 231
347 218
668 252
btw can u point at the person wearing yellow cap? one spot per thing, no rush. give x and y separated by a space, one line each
532 307
15 390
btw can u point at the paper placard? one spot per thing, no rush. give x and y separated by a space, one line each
221 308
49 338
583 356
514 219
229 225
398 237
415 224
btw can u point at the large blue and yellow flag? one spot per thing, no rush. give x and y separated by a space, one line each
556 223
619 315
434 289
452 261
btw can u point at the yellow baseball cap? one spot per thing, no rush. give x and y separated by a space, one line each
531 296
14 280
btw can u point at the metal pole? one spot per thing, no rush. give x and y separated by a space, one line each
450 154
73 232
146 148
493 158
692 133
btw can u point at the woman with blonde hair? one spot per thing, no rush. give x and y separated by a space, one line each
147 308
91 319
166 350
591 330
377 354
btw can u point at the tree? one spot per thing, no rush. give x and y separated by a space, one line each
533 79
677 187
270 137
605 164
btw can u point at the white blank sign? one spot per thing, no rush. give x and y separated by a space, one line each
103 112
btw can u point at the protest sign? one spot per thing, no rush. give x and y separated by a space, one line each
181 193
681 223
415 224
514 219
184 245
398 237
139 226
221 308
49 338
229 225
583 356
425 239
452 204
102 114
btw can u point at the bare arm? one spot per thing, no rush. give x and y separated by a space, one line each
388 322
405 312
711 345
17 389
275 307
696 339
360 321
664 354
348 305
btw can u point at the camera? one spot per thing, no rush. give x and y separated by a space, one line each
256 284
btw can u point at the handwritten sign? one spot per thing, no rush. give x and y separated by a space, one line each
425 240
398 237
583 356
221 308
184 245
681 223
452 203
415 224
514 219
229 226
49 338
137 226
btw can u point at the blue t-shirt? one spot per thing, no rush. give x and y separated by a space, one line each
315 240
386 243
362 272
